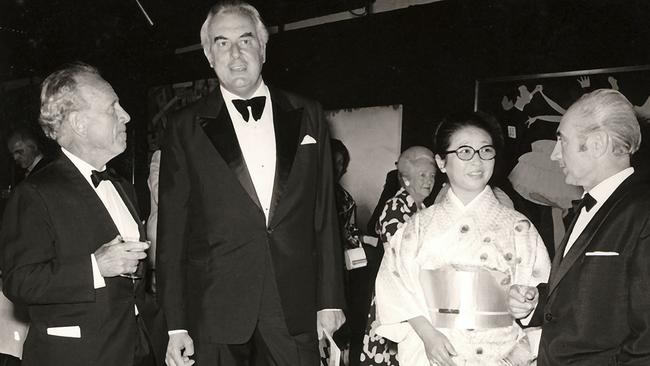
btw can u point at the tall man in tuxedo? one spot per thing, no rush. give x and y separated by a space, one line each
248 260
595 310
68 236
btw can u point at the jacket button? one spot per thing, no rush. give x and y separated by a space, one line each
269 231
548 317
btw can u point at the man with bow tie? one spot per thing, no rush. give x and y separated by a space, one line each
72 237
248 258
595 310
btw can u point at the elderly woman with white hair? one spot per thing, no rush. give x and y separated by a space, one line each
416 171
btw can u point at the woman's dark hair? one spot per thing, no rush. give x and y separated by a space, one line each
457 121
339 148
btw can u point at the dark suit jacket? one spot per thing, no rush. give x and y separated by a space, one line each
214 246
53 222
595 310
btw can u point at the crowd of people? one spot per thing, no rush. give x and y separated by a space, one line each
251 226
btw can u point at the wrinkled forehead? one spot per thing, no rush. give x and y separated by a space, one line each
568 123
20 145
412 167
232 19
424 164
90 87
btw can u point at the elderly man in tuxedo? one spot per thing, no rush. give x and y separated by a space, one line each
595 310
71 236
24 148
249 263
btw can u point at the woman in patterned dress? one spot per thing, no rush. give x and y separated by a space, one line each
416 171
427 296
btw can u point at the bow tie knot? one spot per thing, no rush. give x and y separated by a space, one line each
256 104
587 202
108 174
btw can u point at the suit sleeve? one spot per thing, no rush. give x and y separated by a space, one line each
33 270
636 348
171 243
330 261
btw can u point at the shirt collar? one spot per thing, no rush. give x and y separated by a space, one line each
85 168
456 201
261 91
604 189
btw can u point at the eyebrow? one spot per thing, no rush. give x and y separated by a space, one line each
244 35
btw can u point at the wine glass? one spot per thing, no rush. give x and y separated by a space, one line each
140 269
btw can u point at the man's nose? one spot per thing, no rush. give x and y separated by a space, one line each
557 152
124 117
234 50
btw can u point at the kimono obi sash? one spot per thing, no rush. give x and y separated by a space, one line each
466 298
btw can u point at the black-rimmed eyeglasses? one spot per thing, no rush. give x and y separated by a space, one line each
487 152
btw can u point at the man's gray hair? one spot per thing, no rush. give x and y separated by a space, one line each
608 110
60 97
233 6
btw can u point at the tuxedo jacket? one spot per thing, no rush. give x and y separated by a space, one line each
53 222
214 245
595 310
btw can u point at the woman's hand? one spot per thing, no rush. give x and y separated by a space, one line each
438 349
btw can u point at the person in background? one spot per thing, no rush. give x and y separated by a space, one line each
72 241
595 309
152 221
25 150
417 172
249 266
468 246
346 207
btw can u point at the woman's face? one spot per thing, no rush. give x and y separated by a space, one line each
421 177
467 178
339 166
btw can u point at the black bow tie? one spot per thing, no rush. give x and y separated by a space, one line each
256 104
587 202
108 174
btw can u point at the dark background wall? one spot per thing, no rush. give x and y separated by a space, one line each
425 57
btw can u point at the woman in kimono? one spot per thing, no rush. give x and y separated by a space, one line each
416 173
441 290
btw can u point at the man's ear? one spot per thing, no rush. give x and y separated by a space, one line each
598 143
78 123
441 163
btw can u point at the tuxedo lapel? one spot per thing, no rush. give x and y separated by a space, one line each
90 203
286 123
129 205
561 266
221 133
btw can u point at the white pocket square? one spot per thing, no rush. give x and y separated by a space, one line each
601 254
70 332
308 140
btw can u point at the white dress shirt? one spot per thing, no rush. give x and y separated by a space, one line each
600 193
257 142
125 223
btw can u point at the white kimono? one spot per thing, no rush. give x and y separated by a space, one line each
483 234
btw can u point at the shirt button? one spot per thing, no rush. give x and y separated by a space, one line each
464 229
484 257
479 351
